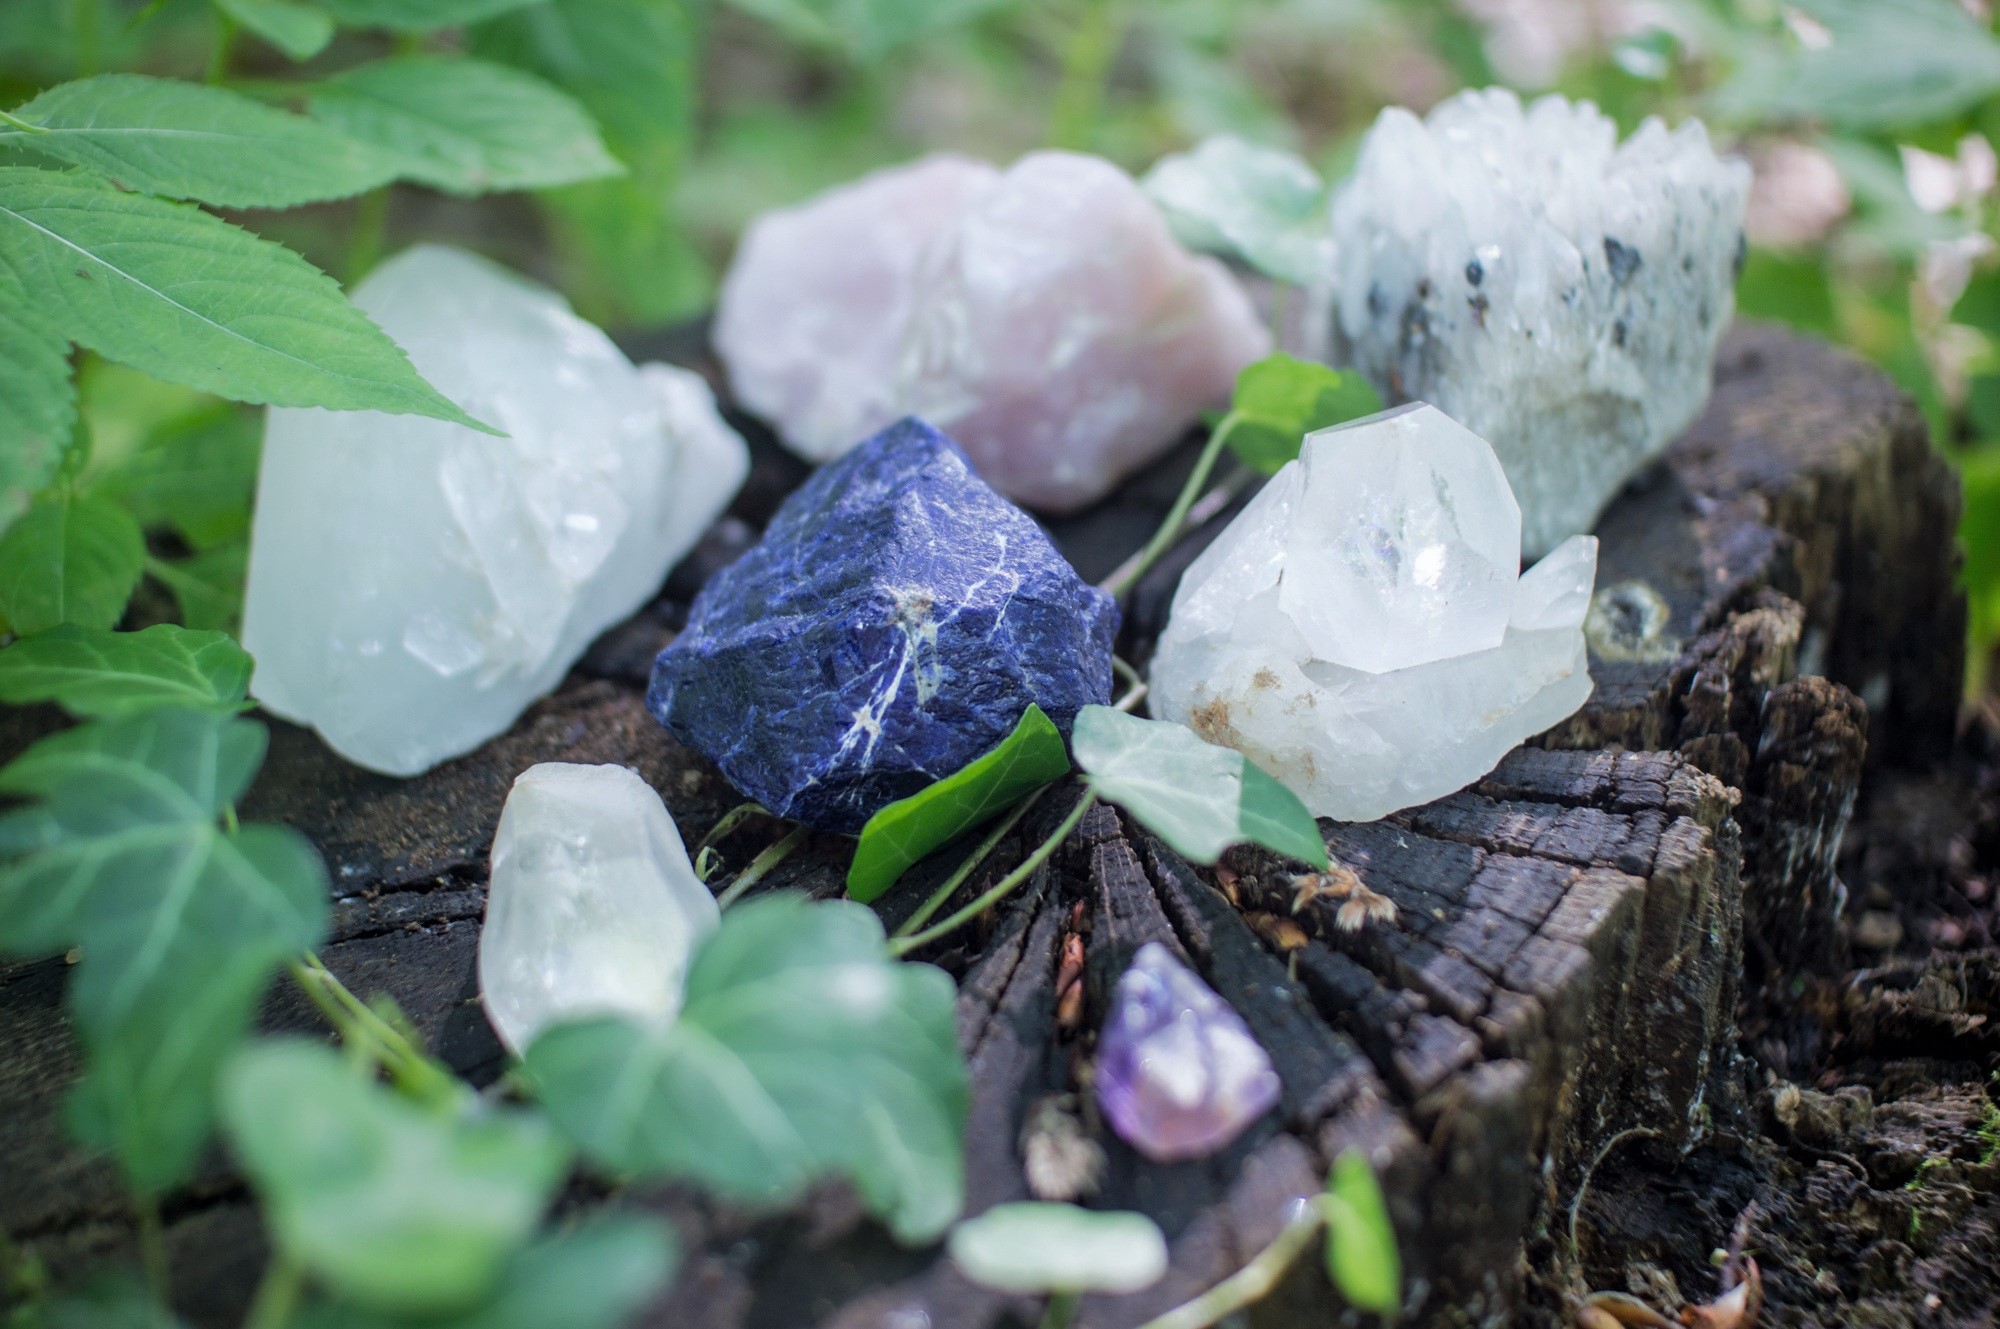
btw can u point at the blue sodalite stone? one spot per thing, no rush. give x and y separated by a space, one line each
894 622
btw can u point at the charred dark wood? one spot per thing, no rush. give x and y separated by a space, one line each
1571 935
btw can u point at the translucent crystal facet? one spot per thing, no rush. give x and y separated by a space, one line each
1178 1073
414 584
1044 316
593 907
1242 663
1557 292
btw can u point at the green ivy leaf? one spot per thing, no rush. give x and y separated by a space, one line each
802 1051
37 400
1279 400
1197 797
180 923
466 126
1260 205
186 297
298 30
902 833
188 140
1361 1255
594 1276
69 559
208 587
395 1206
95 674
417 15
1042 1248
194 474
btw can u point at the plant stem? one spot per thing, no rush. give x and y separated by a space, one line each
1060 1310
1252 1281
362 1027
224 47
277 1295
731 819
1086 68
972 861
760 866
25 126
1001 889
153 1250
371 228
1163 539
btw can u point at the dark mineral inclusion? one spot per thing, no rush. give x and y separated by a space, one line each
894 622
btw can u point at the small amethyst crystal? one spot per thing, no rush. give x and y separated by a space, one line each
1178 1074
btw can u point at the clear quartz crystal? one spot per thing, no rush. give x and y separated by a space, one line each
1178 1073
593 907
1043 316
1557 292
415 584
1238 665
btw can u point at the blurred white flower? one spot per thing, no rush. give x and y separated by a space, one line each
1939 183
1796 195
1947 266
1529 41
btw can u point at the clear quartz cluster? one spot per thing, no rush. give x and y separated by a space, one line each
415 584
1043 316
593 907
1178 1073
1361 630
1557 292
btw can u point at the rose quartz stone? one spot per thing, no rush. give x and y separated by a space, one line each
1043 316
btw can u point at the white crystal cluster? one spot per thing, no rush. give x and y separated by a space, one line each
592 907
1362 630
1043 316
1557 292
415 584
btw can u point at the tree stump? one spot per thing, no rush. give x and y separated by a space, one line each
1572 933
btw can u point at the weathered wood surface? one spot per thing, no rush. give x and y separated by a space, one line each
1570 933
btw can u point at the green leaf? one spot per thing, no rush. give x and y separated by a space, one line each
1279 400
1887 63
95 674
300 31
802 1051
37 401
1797 291
632 63
119 1303
187 297
208 587
394 1206
188 140
864 30
416 15
902 833
1361 1255
1260 205
180 923
466 126
594 1276
194 474
69 560
1197 797
1038 1248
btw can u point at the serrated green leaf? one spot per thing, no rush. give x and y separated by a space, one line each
1361 1255
417 15
37 401
186 297
194 474
903 832
69 559
593 1276
1197 797
1279 400
632 63
1038 1248
190 141
1260 205
395 1206
95 674
466 126
208 587
864 30
802 1051
298 30
180 924
1885 64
